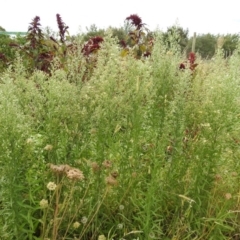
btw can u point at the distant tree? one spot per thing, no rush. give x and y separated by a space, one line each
180 34
205 45
127 27
93 31
119 33
48 32
230 44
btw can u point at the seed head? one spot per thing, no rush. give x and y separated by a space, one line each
76 225
51 186
48 147
84 220
95 167
29 141
228 196
43 203
114 174
120 226
121 207
75 174
60 169
101 237
110 180
107 164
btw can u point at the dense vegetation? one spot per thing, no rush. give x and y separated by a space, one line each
101 140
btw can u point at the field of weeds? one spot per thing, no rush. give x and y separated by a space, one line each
142 150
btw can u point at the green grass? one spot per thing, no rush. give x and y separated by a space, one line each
158 149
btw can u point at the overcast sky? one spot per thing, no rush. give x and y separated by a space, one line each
205 16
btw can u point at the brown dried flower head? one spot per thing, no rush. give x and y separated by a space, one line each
95 167
75 174
110 180
107 164
134 174
48 147
114 174
218 177
60 169
228 196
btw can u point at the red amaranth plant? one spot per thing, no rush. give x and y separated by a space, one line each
92 45
40 50
136 21
37 50
36 54
123 43
138 39
62 28
90 50
35 34
191 61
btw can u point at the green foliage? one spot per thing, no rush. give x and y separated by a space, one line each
230 44
179 33
93 31
119 33
205 45
5 51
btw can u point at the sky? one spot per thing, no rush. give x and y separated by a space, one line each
205 16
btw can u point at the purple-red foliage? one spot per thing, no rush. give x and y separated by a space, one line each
191 57
138 36
123 43
191 61
92 45
3 57
34 32
147 54
135 20
12 44
96 40
182 66
34 25
62 28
